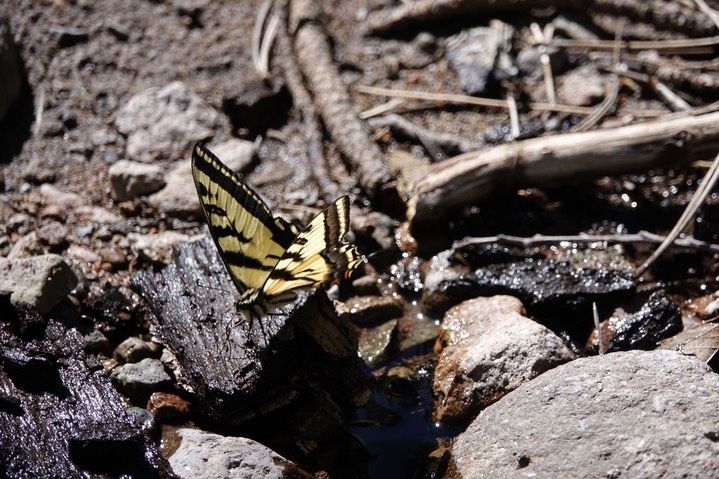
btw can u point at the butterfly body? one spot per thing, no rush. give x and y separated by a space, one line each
267 257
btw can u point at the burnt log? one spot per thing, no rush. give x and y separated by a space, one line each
239 369
59 414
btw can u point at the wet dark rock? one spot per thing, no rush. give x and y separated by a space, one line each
10 74
203 455
40 282
53 234
96 342
257 104
59 414
38 171
129 179
369 310
542 285
487 348
625 414
480 56
235 369
144 420
168 406
657 319
164 122
379 343
139 380
134 349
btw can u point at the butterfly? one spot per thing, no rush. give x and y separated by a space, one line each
267 257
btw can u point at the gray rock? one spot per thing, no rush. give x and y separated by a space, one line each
53 234
377 343
164 122
202 455
583 86
96 214
130 179
489 348
52 195
139 380
179 197
627 414
10 75
40 282
134 349
38 171
158 247
96 342
27 246
480 56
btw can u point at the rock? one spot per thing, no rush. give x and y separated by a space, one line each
69 36
18 222
38 171
27 246
179 197
53 234
84 255
96 214
656 320
40 282
144 419
202 455
134 349
54 212
115 257
529 63
487 349
168 406
626 414
480 56
376 344
10 74
164 122
366 285
583 86
103 137
158 247
96 342
256 103
68 119
129 179
378 226
139 380
52 127
52 195
368 310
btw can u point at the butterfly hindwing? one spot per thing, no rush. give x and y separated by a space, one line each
318 254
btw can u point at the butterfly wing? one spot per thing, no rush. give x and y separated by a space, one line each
250 240
317 255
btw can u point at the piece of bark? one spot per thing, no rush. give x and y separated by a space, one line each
236 372
472 177
663 15
59 414
333 102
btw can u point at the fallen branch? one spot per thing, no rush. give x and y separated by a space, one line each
333 102
472 177
673 16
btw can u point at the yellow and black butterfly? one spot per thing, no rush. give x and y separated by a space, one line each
266 256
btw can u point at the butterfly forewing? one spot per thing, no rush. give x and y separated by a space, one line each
251 241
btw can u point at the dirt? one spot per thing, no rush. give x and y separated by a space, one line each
85 59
